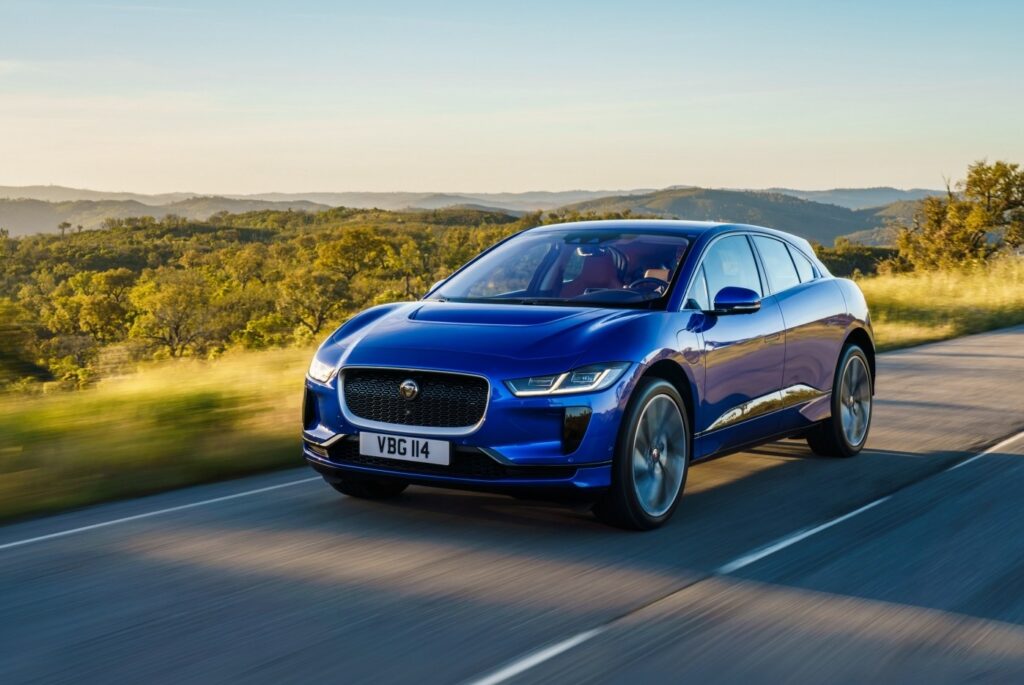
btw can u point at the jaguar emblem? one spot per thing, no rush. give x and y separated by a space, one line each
408 389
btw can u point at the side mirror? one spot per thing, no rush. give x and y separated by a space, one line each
733 300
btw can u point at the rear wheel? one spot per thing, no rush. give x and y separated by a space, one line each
844 433
651 460
368 488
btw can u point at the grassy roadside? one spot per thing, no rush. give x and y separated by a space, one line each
911 309
188 422
164 427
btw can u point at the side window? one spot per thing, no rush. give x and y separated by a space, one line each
698 298
730 262
803 265
777 263
573 266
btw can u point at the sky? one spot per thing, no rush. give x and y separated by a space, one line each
215 96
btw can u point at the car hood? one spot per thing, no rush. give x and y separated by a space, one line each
481 337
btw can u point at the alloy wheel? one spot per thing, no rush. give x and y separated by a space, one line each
659 455
855 401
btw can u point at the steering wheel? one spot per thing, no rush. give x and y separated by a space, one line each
658 285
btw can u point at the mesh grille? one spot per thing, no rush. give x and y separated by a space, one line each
445 400
466 462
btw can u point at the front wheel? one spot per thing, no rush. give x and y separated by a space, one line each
651 461
844 433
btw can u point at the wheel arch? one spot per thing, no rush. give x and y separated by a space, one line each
860 337
670 370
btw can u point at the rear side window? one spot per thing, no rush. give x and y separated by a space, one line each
730 262
777 263
803 265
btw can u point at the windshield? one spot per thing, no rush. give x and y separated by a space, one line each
603 267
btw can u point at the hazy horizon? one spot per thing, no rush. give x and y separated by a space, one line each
447 191
225 98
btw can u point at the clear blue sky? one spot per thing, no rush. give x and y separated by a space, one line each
217 96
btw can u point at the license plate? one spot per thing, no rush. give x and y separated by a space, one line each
404 448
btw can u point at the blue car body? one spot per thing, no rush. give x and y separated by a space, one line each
746 379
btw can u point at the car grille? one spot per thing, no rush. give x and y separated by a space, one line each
445 400
466 462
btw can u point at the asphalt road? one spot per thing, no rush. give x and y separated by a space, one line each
763 575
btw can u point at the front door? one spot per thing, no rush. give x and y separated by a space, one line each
744 354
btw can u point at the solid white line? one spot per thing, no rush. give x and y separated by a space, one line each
796 537
994 448
534 658
148 514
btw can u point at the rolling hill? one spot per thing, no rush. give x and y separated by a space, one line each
812 220
22 217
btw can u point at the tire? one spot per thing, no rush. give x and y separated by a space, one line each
845 432
648 479
368 488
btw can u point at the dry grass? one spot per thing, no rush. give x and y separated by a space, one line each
169 425
910 309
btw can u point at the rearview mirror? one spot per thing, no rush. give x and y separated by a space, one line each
734 300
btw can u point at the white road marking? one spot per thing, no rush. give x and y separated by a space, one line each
148 514
540 656
792 539
994 448
534 658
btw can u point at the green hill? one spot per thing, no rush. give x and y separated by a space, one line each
811 220
886 221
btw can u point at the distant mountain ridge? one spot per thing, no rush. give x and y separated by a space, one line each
525 201
23 216
815 220
860 198
65 194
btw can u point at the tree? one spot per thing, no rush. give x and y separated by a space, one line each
944 234
997 191
17 356
63 228
175 310
969 225
414 263
358 250
91 303
310 296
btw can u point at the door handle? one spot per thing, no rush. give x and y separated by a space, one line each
772 337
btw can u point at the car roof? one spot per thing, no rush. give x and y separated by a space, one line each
663 225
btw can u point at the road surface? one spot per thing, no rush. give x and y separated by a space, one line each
778 565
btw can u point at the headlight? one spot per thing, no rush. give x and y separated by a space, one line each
319 371
584 379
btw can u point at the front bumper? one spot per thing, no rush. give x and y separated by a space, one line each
520 443
538 480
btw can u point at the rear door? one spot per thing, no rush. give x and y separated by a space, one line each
744 353
811 309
